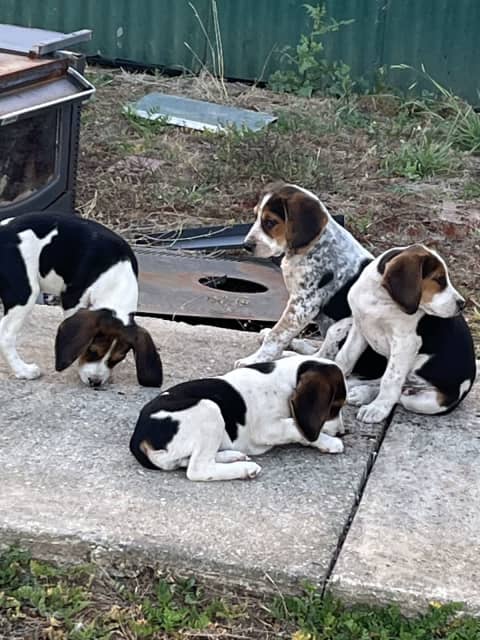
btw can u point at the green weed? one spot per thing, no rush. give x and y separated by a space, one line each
471 190
310 71
144 127
328 619
40 600
417 159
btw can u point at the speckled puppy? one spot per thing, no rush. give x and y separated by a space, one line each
321 262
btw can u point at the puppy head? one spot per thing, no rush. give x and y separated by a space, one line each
288 218
417 278
99 341
318 397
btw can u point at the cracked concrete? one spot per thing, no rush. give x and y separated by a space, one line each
71 489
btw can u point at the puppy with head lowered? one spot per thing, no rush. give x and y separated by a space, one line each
405 307
210 425
321 260
94 272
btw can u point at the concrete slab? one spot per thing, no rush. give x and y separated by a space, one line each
416 535
71 490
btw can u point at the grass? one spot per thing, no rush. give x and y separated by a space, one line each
41 600
420 159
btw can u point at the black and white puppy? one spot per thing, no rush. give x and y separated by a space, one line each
321 260
94 272
210 425
405 307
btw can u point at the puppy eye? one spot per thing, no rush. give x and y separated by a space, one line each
441 280
269 223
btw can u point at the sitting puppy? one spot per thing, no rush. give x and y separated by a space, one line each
94 272
405 307
321 262
209 425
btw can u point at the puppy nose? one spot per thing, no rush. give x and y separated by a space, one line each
249 246
461 304
94 382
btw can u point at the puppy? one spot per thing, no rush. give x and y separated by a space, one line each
405 307
211 425
321 262
94 272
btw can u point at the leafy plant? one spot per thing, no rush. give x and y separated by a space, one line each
310 71
456 121
422 158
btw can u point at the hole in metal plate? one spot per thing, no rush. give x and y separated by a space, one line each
236 285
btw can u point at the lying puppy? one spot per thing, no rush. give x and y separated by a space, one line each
209 425
94 272
322 260
405 307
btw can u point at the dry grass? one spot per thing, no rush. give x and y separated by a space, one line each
140 178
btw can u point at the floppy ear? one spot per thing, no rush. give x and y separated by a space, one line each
305 220
74 335
319 388
147 360
403 280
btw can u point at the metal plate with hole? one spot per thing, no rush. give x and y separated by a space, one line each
178 285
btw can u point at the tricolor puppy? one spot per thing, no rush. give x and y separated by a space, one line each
210 425
405 307
321 262
94 272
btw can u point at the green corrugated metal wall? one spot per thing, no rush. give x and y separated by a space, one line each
441 34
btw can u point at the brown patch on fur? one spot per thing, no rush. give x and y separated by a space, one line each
412 276
318 397
293 218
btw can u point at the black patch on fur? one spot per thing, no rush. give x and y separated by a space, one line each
184 396
263 367
389 255
157 432
325 279
453 355
337 307
14 286
80 252
311 365
276 205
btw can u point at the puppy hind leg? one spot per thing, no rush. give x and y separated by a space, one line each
10 326
425 401
210 459
205 469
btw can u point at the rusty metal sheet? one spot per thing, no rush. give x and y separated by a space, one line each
177 285
16 70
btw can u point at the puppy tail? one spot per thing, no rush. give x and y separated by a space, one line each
140 449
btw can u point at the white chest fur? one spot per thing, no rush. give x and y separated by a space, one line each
379 318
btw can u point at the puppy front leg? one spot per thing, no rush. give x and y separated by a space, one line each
285 431
334 336
400 363
295 317
352 349
10 325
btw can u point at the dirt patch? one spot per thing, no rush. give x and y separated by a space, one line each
140 178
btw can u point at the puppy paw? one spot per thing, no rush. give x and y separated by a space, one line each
28 372
362 394
373 413
252 470
328 444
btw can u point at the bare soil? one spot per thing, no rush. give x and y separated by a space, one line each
141 178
